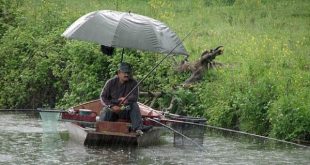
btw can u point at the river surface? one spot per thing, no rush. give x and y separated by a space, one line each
25 140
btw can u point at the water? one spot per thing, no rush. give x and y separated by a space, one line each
24 141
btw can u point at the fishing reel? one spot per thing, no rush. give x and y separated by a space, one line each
124 107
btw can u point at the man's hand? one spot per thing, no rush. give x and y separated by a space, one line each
71 111
122 100
116 109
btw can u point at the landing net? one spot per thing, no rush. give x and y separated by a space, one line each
50 121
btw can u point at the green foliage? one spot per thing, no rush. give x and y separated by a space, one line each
223 101
290 116
255 106
7 14
187 102
85 71
263 89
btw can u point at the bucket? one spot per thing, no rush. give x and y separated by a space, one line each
85 112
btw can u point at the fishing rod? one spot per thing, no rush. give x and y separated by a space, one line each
234 131
33 110
125 98
14 110
189 139
51 110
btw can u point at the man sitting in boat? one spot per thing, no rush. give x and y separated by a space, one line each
116 105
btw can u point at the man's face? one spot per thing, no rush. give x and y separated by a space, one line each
123 76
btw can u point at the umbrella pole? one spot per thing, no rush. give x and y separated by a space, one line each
122 57
155 67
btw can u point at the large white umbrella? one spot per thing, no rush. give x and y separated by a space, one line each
125 30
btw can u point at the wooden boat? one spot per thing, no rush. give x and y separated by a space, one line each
84 128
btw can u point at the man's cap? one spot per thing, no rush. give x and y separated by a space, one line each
125 67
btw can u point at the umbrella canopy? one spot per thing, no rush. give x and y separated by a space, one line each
125 30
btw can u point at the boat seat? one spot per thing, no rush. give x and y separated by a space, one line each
123 127
123 120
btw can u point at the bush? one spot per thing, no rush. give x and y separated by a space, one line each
255 107
289 114
290 118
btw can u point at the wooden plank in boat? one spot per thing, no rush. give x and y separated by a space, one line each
131 134
121 127
78 121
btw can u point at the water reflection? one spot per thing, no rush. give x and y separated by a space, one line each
24 141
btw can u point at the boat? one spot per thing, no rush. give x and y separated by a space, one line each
84 127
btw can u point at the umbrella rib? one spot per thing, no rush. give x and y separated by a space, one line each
113 41
156 41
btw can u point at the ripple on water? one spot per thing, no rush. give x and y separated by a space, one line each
19 123
6 158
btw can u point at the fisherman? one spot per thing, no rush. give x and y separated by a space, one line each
116 106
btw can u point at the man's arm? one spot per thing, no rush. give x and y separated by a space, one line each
106 99
105 94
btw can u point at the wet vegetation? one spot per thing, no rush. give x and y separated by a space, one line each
263 88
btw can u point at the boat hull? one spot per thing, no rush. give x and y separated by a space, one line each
91 137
